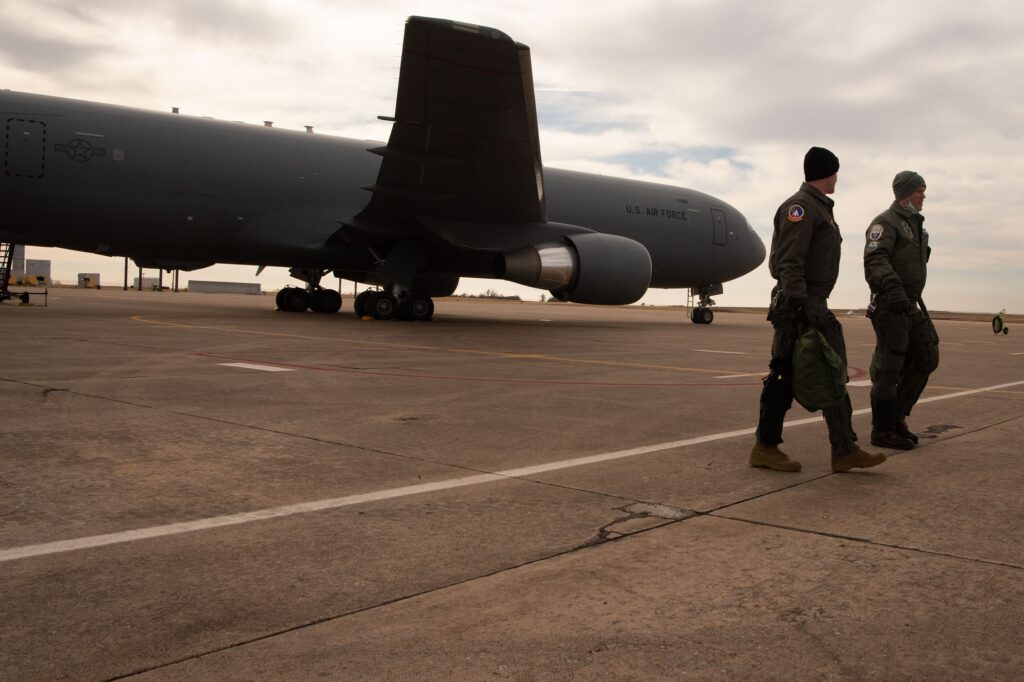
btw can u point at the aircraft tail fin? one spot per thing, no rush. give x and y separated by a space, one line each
464 143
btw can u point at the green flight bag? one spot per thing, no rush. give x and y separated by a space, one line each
819 380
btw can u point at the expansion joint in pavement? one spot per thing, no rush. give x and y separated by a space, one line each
866 541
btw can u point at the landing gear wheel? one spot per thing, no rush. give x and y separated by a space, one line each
293 299
1006 330
702 316
997 324
418 308
361 303
383 306
325 301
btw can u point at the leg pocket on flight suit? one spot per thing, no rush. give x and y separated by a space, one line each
926 342
893 337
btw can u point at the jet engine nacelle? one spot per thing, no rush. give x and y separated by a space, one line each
589 267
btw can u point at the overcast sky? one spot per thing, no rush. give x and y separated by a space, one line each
723 97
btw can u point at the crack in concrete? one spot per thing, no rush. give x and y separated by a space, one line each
48 391
638 517
661 511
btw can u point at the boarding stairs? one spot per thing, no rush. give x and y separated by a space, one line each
6 263
6 260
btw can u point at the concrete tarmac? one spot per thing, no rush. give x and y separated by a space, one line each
196 486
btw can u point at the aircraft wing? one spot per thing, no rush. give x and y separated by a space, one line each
464 144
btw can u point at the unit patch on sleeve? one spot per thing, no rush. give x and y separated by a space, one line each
876 232
795 214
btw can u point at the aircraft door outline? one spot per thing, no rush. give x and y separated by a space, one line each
720 227
24 148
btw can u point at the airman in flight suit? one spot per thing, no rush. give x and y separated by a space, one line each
804 261
907 347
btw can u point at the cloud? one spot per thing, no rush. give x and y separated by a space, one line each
29 52
582 112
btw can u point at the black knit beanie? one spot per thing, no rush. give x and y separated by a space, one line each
819 163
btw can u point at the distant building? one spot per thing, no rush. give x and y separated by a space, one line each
36 272
147 283
207 287
89 280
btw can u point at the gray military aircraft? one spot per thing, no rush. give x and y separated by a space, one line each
458 191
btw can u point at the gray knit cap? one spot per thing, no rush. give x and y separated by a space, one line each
906 183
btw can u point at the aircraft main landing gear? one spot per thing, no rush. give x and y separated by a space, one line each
417 308
324 301
292 300
296 300
314 297
382 305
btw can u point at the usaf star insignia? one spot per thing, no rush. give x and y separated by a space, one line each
80 150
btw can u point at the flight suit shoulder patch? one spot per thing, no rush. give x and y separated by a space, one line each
875 233
795 213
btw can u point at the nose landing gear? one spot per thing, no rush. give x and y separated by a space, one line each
702 313
702 316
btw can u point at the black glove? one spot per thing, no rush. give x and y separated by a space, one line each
898 302
798 308
816 312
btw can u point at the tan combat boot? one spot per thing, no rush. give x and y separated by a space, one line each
770 457
856 458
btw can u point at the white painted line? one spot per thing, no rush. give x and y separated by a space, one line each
737 376
862 382
262 368
234 519
722 352
59 547
960 394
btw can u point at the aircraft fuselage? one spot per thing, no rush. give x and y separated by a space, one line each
125 182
